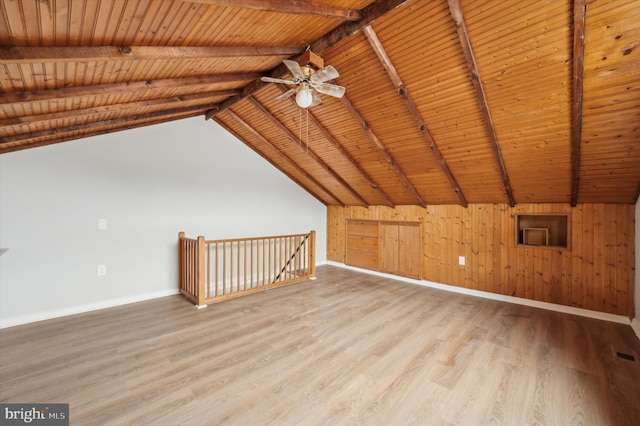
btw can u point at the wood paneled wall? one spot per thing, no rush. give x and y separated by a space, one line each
596 272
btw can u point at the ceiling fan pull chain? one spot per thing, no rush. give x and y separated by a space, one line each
300 123
307 109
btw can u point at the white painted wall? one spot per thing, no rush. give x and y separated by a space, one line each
149 183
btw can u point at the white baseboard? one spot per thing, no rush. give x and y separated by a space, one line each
504 298
41 316
635 324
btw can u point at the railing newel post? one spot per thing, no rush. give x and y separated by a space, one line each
180 262
201 275
312 255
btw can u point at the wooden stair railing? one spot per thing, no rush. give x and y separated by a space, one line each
292 258
214 270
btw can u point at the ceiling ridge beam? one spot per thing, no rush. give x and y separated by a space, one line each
369 14
467 49
297 7
103 123
53 54
387 64
13 146
579 19
30 119
119 88
264 140
341 149
309 151
387 156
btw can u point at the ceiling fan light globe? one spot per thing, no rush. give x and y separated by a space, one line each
304 98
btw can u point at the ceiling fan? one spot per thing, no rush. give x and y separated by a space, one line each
309 82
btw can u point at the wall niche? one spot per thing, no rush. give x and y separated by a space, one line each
543 230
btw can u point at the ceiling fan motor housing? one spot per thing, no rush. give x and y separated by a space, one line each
308 71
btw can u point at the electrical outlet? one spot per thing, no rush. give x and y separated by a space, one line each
102 270
461 260
102 224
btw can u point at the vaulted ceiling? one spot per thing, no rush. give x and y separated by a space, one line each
447 101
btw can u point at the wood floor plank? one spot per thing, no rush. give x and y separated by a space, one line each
345 349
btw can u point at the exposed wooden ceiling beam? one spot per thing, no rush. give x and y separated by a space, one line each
309 151
339 147
12 147
342 151
292 7
118 88
110 108
467 50
124 121
368 15
6 146
285 157
267 159
22 55
388 157
579 18
380 51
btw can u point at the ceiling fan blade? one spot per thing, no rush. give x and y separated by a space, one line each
329 89
325 74
276 80
295 69
315 99
287 94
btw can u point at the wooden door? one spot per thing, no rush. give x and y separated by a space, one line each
389 248
401 249
409 251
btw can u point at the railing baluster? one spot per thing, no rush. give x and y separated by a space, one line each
225 262
251 265
208 269
270 240
238 274
244 265
219 263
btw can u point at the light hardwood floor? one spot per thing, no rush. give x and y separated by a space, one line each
347 348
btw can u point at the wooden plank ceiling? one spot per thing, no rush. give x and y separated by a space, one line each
447 101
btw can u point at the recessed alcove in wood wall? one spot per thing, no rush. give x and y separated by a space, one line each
543 230
596 273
